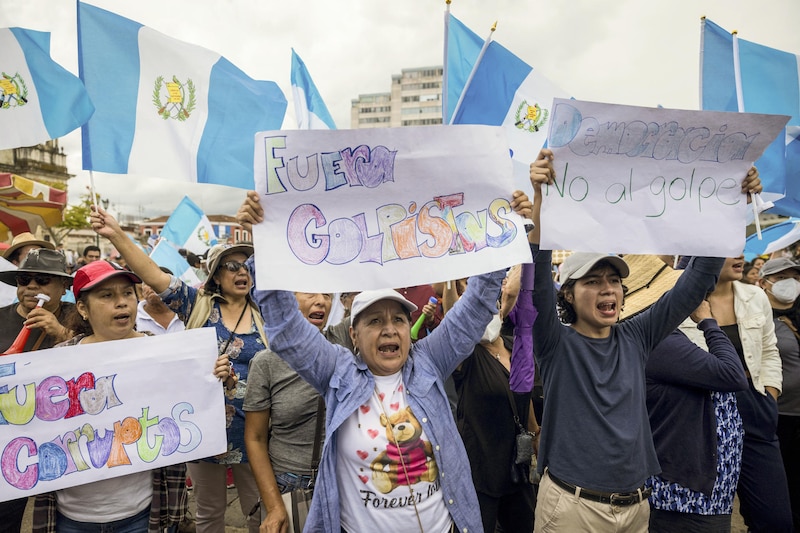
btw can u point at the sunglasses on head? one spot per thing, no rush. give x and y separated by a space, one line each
233 266
23 280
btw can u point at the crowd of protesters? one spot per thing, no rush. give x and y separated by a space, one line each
666 389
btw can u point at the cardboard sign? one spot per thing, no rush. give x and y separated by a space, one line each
77 414
657 181
351 210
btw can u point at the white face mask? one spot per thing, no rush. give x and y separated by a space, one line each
786 290
492 330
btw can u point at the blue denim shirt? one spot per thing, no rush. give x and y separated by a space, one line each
346 383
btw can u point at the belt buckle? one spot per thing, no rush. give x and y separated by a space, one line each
622 499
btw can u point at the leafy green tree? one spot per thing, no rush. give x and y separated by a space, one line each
75 217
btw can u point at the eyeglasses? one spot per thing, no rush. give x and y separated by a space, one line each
233 266
23 280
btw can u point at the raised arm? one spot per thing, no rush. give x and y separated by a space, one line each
250 212
106 226
542 172
677 360
510 291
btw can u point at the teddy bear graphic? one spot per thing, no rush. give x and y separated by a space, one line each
404 432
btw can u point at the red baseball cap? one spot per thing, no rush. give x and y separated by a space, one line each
87 277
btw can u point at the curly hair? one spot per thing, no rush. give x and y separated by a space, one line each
566 311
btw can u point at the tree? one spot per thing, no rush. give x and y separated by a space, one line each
75 217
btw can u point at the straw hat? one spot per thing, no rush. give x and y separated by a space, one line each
649 279
25 238
560 255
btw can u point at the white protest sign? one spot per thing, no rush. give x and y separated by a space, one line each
77 414
351 210
8 293
658 181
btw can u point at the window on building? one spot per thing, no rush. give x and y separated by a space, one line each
422 122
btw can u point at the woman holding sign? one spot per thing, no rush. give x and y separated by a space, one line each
225 305
392 458
596 449
155 499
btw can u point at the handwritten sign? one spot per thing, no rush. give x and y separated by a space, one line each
8 293
641 180
351 210
77 414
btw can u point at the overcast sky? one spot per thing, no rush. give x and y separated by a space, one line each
636 52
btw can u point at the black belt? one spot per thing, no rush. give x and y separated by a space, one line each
612 498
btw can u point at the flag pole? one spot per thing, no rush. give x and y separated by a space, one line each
737 72
702 50
737 75
444 69
91 190
472 72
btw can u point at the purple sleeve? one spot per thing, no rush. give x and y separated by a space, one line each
523 315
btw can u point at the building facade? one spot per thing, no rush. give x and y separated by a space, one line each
415 99
226 228
45 163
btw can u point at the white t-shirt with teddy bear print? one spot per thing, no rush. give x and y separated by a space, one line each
374 486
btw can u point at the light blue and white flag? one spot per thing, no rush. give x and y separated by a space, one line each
39 99
311 111
166 255
188 227
506 91
463 48
167 108
768 84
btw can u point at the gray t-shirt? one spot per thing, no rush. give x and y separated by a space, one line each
293 404
789 400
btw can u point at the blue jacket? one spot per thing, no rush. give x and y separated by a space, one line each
346 383
679 378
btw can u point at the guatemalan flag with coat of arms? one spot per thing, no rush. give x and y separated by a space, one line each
506 91
39 99
167 108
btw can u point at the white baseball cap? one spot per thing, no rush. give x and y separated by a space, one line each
366 298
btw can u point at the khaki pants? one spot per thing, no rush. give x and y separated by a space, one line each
560 510
211 494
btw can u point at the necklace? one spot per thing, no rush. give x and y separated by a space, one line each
397 444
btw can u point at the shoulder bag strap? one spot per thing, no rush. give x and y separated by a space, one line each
517 421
